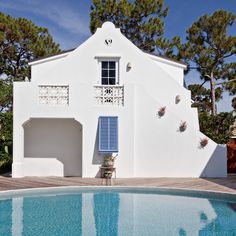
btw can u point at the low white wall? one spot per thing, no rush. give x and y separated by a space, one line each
43 167
217 163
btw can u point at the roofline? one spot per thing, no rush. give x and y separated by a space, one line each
70 50
52 55
166 58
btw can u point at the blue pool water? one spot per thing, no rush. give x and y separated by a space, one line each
115 212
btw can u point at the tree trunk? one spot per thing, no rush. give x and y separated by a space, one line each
213 96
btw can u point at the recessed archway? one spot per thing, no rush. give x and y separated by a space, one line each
53 143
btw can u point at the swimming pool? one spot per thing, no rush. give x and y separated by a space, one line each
116 211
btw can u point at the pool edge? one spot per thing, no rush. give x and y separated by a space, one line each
67 189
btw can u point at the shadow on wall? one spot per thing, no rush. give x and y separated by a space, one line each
217 164
55 138
97 157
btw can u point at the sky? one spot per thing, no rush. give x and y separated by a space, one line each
68 22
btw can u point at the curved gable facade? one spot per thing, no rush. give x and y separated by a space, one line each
57 115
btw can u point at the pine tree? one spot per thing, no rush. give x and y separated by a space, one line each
141 21
211 50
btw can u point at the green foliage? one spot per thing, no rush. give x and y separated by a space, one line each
208 44
169 48
234 103
217 127
209 47
202 97
228 73
20 42
6 140
140 21
5 95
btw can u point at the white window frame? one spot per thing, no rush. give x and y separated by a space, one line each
99 73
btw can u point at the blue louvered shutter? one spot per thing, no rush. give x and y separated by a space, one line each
108 134
113 134
103 133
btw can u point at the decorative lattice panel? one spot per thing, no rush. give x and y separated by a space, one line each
109 95
54 95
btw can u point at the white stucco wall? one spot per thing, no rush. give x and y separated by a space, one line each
174 69
149 146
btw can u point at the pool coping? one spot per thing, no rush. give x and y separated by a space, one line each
185 192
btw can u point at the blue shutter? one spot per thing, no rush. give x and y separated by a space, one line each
103 133
113 134
108 134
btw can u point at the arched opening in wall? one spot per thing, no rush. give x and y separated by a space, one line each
52 146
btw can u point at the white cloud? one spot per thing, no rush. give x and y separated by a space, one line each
60 14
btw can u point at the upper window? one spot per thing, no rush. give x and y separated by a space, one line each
109 72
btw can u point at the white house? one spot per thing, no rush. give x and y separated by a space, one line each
105 97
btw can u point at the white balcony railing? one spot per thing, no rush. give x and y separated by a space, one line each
54 95
109 95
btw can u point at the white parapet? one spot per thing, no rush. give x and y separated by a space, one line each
109 95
